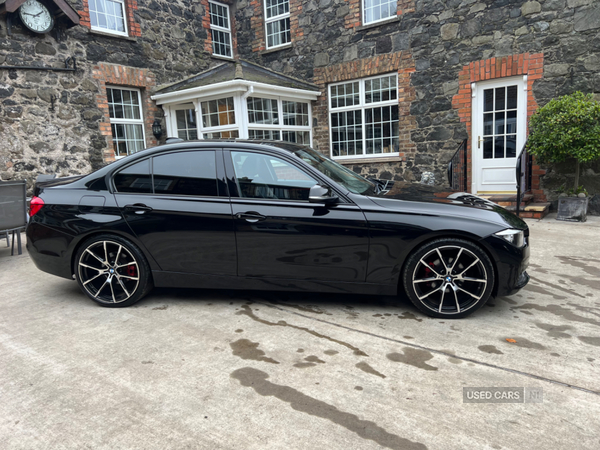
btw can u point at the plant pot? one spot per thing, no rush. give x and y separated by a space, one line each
572 209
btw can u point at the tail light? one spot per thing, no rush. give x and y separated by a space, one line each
35 205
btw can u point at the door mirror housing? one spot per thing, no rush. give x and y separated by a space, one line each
322 194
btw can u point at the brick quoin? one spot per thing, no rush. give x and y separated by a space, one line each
354 17
400 62
528 64
122 76
133 27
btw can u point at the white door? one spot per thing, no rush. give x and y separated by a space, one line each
499 130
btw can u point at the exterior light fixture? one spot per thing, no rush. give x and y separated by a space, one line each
157 129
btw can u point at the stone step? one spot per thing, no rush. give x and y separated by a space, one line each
508 200
532 210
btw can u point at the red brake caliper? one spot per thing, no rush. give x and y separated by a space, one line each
131 270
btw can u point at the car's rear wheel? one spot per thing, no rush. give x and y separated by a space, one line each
112 271
449 278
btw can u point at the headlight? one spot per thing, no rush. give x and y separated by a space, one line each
515 237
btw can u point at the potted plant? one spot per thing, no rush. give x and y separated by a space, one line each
567 127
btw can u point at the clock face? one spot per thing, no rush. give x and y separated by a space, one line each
36 16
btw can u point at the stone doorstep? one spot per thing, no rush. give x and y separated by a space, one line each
532 211
508 200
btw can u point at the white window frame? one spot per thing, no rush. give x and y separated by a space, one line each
221 128
227 31
280 126
362 106
140 121
364 15
171 115
275 19
108 30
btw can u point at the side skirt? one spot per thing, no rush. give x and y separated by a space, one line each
188 280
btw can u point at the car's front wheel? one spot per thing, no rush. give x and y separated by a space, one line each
112 271
449 278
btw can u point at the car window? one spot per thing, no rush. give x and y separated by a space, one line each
185 173
135 178
265 176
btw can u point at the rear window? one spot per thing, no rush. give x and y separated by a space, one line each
191 173
135 178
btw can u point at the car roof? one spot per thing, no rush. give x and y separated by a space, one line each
176 143
180 144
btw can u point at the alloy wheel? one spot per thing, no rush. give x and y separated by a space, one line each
449 279
108 271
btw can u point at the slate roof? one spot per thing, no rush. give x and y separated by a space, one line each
237 70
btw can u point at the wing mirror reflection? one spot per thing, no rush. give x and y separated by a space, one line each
322 194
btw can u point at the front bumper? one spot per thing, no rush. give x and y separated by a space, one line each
511 266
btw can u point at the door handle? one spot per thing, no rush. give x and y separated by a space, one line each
137 208
250 216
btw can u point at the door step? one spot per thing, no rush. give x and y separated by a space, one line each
509 199
532 210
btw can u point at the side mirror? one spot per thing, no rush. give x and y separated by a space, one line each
321 194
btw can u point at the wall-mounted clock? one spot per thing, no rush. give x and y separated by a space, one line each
36 16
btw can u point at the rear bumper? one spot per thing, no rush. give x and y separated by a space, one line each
49 250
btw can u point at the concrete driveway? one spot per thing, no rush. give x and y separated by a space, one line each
254 370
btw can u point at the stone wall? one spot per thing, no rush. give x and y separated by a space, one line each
56 122
170 42
443 37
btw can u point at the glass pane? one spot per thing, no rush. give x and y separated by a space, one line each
511 146
185 173
134 178
511 97
499 147
488 100
262 176
487 148
222 135
511 122
180 115
500 100
218 112
488 124
381 89
499 125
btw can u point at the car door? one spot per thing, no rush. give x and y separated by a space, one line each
280 234
177 205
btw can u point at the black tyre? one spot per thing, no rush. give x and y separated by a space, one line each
448 278
112 271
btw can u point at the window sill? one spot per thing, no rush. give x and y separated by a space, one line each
376 24
276 49
380 159
222 58
111 35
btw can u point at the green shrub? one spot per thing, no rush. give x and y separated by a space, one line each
566 127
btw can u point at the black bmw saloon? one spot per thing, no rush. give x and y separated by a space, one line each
269 216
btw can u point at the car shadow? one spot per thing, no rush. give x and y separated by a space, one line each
308 302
